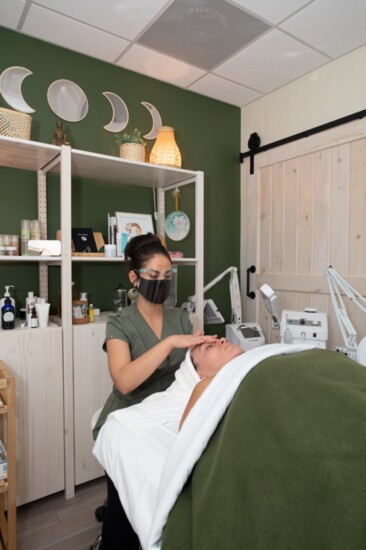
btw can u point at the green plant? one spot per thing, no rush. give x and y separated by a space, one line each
133 137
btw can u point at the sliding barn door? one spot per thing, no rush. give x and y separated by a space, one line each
306 210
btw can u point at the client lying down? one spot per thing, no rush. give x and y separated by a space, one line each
134 444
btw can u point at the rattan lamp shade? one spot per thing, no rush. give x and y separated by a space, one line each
165 151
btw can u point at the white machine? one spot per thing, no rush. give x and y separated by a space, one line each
304 327
245 335
297 327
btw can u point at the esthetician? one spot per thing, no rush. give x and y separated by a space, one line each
145 342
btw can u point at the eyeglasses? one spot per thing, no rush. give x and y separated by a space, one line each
155 274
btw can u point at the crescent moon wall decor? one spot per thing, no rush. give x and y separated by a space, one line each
120 116
156 119
11 80
67 100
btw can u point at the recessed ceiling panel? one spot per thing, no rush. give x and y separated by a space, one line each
202 32
334 27
271 62
125 18
223 90
156 65
272 10
10 12
70 34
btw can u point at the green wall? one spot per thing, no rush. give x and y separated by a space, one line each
207 132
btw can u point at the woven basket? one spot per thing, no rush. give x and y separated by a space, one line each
15 124
132 151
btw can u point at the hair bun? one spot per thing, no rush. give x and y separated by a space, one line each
138 242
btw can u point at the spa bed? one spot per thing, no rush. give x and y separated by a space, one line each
271 457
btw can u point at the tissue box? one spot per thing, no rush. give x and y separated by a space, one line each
44 248
3 462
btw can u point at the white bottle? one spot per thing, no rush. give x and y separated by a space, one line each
30 302
7 295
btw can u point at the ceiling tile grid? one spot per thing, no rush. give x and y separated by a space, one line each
231 50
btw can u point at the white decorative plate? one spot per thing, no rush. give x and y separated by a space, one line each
177 225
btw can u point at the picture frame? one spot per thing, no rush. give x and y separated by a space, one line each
129 225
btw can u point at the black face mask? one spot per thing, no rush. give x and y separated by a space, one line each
155 291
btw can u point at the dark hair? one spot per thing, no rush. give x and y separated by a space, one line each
140 249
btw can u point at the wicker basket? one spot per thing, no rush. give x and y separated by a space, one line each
132 151
15 124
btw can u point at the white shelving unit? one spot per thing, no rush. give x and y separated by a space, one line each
68 163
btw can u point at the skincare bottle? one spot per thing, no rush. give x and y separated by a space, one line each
91 313
7 295
34 318
30 302
7 315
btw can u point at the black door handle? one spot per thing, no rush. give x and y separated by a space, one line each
250 294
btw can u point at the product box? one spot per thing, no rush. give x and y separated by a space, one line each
3 462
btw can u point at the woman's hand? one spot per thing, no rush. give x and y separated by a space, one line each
127 375
190 340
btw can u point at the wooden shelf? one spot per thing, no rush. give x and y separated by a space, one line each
8 437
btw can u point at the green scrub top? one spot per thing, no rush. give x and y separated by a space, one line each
130 326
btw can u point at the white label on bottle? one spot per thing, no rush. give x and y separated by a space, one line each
8 317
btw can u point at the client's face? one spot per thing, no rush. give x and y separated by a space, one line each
210 358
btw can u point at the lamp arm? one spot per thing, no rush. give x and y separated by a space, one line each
235 296
338 284
214 281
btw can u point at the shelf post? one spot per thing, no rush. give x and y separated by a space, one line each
199 246
42 216
66 308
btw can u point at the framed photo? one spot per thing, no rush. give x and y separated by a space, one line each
129 225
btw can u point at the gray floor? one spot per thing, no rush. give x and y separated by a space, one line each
56 523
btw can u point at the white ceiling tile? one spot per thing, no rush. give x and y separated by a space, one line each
156 65
271 10
271 62
125 18
10 12
223 90
333 26
67 33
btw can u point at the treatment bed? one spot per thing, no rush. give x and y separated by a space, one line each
271 457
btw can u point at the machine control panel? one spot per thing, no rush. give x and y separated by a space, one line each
304 327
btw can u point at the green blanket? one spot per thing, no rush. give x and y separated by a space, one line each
286 467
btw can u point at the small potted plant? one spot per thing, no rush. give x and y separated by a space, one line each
132 146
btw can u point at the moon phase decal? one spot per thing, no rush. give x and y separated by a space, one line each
156 119
11 88
120 116
67 100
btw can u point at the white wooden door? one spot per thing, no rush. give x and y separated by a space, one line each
306 206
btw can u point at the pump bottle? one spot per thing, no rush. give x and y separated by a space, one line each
7 315
2 301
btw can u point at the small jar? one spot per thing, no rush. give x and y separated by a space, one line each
35 230
110 250
12 249
80 314
2 245
25 236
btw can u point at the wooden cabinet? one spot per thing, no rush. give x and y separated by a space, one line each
92 386
62 373
35 359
